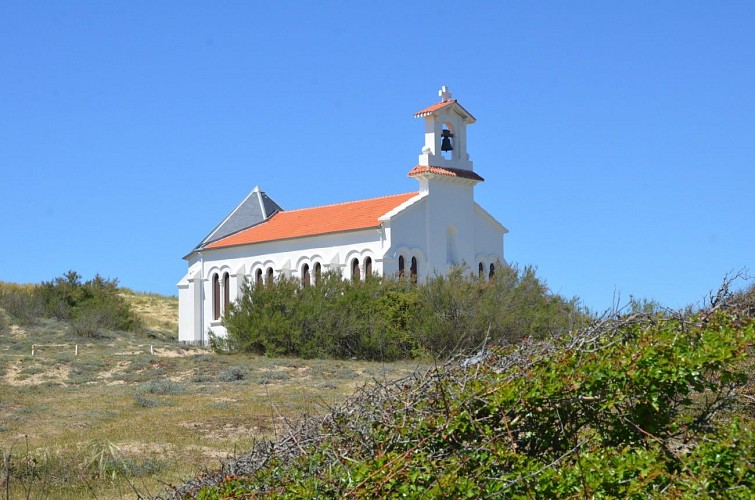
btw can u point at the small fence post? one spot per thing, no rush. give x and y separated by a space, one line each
152 350
33 347
77 350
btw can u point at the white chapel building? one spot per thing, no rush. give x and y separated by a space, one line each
417 234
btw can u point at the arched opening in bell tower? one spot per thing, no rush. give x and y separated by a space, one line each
447 142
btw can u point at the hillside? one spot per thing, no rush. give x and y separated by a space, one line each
639 405
134 410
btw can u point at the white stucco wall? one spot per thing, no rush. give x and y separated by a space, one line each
287 257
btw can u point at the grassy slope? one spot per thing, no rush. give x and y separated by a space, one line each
168 414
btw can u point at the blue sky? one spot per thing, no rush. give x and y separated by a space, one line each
617 139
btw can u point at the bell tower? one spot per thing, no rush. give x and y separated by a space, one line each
445 134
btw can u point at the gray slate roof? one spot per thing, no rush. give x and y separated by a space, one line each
255 208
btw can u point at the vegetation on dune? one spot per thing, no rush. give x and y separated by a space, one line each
644 404
91 307
388 318
552 403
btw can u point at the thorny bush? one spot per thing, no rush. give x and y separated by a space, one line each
631 406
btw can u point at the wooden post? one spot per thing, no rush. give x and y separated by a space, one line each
77 349
152 350
33 346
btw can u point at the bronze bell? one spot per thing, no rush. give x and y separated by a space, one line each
445 144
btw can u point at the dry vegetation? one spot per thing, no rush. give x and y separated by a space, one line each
116 418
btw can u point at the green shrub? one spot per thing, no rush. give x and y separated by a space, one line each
161 387
92 306
233 374
21 303
144 402
636 406
387 319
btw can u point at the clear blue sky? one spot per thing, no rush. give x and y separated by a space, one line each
617 139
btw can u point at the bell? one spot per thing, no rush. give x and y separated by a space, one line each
445 144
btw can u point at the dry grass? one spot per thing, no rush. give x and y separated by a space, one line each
158 312
162 417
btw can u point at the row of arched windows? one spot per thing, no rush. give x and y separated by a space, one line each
306 274
269 275
481 271
413 268
356 270
221 286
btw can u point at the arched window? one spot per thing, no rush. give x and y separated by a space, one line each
305 275
269 277
355 271
215 296
491 275
226 292
367 267
318 273
401 266
414 269
258 277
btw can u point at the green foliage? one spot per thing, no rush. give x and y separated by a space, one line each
635 406
233 374
20 302
460 311
4 327
92 307
162 387
387 319
65 470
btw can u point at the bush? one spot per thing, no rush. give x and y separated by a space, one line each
161 387
21 303
635 406
92 307
233 374
387 319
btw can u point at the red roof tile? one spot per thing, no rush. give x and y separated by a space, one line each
434 107
314 221
451 172
440 105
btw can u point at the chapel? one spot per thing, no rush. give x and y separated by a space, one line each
412 235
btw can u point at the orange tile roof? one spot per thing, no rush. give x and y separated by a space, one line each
434 107
451 172
314 221
440 105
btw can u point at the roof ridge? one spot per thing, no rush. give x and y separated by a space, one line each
352 201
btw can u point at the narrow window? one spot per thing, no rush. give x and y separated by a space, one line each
215 297
269 277
414 269
401 266
258 277
367 267
318 273
305 275
226 292
481 271
491 275
452 252
355 271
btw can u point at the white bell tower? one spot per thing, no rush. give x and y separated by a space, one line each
445 134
